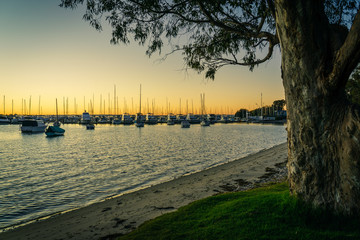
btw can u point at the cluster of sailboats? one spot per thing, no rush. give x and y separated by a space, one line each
31 125
34 124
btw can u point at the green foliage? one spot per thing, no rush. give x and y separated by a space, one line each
353 87
213 33
264 213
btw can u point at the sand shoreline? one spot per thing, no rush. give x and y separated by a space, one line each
121 214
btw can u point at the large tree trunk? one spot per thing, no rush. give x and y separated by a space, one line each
323 127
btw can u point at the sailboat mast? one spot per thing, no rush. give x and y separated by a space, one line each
201 104
57 118
140 99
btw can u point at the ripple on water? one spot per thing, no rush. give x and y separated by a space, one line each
43 175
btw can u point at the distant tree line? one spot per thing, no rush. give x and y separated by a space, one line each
352 91
267 111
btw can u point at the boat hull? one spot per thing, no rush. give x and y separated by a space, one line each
54 131
90 127
29 129
54 134
185 124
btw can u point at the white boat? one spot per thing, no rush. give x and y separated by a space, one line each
171 119
205 122
126 119
4 120
32 126
85 119
185 124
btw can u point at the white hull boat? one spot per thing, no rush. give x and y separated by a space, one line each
33 126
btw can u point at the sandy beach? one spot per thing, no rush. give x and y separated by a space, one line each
120 215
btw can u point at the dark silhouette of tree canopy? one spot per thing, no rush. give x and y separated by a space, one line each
242 113
319 42
279 104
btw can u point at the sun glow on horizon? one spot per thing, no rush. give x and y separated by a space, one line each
49 52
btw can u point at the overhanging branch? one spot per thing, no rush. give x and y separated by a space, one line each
348 55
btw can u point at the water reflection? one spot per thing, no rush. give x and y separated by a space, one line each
44 175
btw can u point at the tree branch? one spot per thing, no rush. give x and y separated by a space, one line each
348 55
244 31
170 10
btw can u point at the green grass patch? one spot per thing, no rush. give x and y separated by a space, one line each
263 213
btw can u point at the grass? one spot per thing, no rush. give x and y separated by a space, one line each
263 213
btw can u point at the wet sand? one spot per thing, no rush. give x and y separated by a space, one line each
117 216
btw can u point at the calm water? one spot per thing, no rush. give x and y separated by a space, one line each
40 175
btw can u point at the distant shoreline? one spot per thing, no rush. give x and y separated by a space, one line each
121 214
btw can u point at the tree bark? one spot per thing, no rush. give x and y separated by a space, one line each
323 127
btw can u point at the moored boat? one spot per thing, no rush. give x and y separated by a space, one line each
85 119
185 124
32 126
205 123
54 131
4 120
139 121
193 119
116 121
151 119
126 119
171 118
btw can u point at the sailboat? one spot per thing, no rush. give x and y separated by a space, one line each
204 121
55 130
139 121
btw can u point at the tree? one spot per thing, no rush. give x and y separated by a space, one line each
242 113
279 105
320 47
353 87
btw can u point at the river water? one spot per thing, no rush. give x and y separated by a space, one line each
40 176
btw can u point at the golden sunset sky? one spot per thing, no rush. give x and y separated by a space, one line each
48 52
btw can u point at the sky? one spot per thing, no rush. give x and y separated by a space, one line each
50 53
